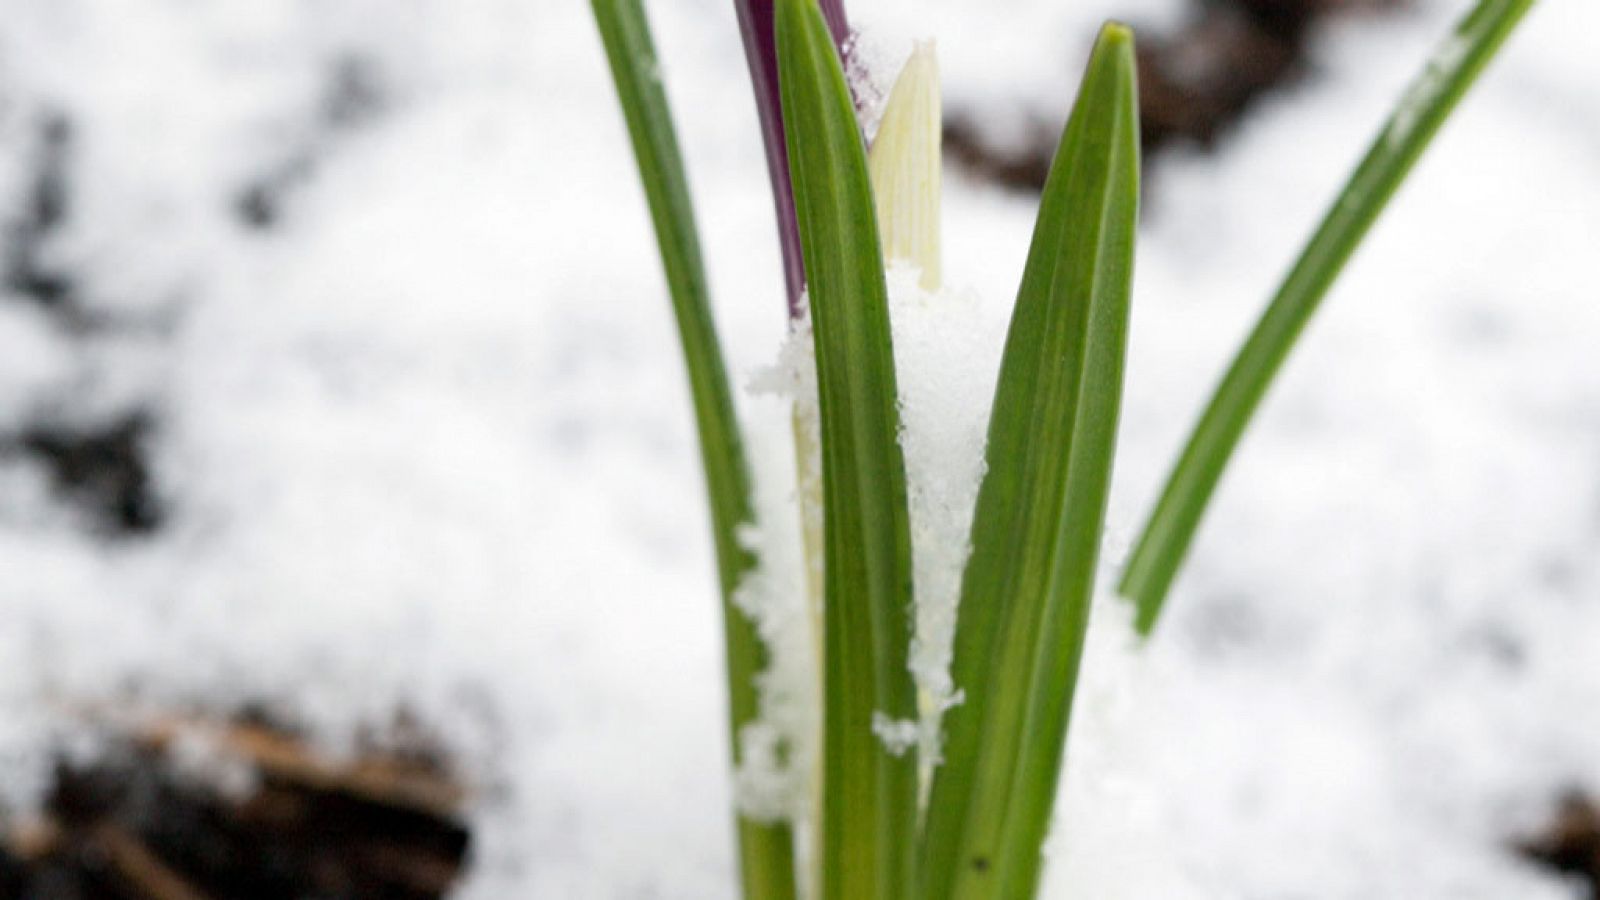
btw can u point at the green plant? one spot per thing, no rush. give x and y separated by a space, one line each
1027 589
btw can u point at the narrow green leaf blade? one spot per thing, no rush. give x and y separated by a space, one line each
1432 97
869 795
1027 590
766 849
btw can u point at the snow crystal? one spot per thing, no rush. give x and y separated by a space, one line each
779 749
947 353
1427 88
897 735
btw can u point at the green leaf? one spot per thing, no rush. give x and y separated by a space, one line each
1036 532
766 849
869 795
1427 104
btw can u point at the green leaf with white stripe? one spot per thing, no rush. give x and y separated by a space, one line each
1036 532
869 795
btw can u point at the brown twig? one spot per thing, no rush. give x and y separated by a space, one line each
140 869
381 779
35 839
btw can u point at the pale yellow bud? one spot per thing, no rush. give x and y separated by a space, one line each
905 167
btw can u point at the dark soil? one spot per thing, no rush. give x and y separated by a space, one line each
135 825
355 93
1571 842
1194 84
24 267
99 468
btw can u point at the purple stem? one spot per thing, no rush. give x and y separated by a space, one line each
760 50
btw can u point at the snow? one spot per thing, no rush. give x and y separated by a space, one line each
949 354
424 443
1427 89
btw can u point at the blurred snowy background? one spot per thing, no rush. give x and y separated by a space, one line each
337 378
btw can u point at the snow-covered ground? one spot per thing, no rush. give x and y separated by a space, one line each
423 441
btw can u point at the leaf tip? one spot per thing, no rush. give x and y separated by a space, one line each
1116 35
906 169
1114 47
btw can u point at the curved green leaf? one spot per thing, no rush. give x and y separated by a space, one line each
766 849
1435 93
